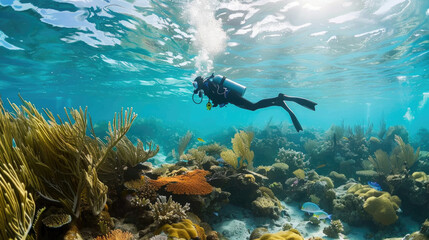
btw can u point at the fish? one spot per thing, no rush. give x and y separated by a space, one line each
375 185
321 165
201 140
345 138
310 207
216 214
321 215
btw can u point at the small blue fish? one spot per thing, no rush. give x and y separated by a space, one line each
216 214
321 215
310 207
375 185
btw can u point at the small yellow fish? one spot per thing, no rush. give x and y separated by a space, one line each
209 106
320 166
201 140
345 138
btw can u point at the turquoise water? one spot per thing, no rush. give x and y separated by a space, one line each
361 61
364 62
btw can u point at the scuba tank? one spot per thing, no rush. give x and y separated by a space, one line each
229 84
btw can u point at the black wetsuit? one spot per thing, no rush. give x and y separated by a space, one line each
220 96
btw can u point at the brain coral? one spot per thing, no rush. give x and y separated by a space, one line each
183 230
292 234
379 204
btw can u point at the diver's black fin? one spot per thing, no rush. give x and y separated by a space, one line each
295 121
301 101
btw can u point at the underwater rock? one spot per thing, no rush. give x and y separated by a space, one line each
277 189
349 208
338 178
286 226
314 220
425 228
205 206
257 233
414 192
233 229
265 207
335 228
267 204
278 172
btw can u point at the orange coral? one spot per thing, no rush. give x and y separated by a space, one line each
190 183
116 235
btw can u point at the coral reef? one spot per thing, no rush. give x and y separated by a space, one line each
334 229
183 144
291 234
56 220
258 232
267 204
183 230
380 205
192 183
168 211
66 160
241 149
401 159
116 235
294 159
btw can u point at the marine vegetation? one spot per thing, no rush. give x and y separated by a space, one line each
17 207
59 162
183 144
240 149
401 159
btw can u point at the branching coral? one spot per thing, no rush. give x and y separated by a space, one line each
65 159
168 211
17 207
294 159
191 183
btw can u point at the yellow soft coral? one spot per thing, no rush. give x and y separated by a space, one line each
241 149
185 229
291 234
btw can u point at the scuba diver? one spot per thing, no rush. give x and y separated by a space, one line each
221 91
